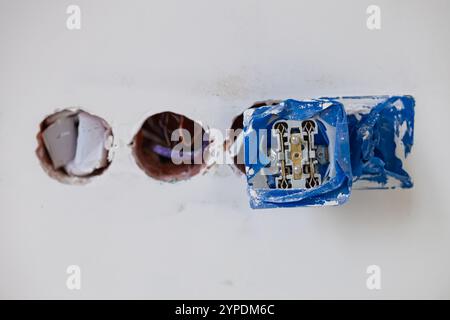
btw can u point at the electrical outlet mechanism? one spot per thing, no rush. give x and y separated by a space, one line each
299 159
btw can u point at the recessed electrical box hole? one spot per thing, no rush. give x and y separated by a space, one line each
170 147
74 145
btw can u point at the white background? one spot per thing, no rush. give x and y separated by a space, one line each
134 237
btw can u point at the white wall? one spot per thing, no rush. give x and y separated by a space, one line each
209 60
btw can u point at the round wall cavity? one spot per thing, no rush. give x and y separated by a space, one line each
235 143
170 147
74 145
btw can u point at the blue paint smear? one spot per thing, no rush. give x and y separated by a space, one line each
373 141
336 190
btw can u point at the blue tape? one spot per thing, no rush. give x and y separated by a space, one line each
373 136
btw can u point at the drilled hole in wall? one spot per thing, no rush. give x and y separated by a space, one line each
74 146
158 153
235 142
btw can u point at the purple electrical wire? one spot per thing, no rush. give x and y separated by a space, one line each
167 152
